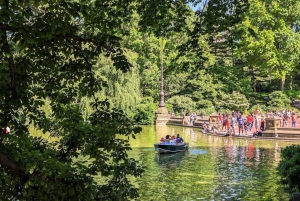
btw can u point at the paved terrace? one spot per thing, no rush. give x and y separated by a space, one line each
273 129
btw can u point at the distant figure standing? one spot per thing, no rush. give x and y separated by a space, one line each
220 118
294 119
256 123
241 124
262 124
192 118
250 122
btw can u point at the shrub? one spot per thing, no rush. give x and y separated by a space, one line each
278 100
289 168
261 108
292 94
206 111
182 104
204 104
235 101
145 111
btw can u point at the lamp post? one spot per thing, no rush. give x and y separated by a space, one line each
162 95
162 115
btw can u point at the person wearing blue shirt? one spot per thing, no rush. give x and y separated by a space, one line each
179 139
241 124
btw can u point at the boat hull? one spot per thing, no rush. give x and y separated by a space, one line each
174 148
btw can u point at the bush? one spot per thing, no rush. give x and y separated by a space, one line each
292 94
206 111
278 100
235 101
261 108
182 104
169 107
204 104
289 168
146 112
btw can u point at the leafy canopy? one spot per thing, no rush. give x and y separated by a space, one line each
49 56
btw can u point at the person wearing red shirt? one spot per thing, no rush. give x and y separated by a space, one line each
250 122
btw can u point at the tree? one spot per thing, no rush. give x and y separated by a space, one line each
270 38
49 50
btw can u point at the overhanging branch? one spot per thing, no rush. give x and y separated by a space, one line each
14 169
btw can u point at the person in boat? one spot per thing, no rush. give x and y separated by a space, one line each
167 139
173 139
179 139
162 140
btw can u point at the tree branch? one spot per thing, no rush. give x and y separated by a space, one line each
14 169
79 39
6 27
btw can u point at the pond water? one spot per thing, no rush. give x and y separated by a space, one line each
214 168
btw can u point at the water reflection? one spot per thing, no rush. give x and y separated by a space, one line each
170 160
214 168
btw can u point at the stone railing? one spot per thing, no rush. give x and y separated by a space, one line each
185 121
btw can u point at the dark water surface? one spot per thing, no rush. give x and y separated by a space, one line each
214 168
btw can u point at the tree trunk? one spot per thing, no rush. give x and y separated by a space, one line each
253 79
282 82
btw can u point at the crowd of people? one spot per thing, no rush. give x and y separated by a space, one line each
286 117
244 123
236 123
171 140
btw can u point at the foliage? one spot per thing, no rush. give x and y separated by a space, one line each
233 78
122 89
289 168
206 111
145 111
259 107
292 94
81 70
182 104
278 100
201 86
269 38
169 14
50 56
235 101
204 104
169 107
